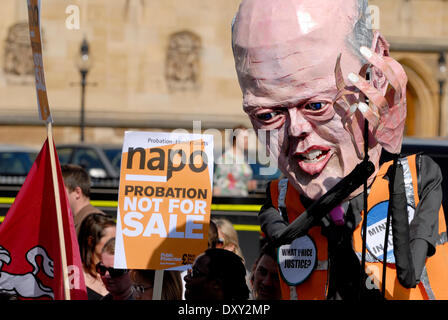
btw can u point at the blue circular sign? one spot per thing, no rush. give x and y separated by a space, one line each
376 232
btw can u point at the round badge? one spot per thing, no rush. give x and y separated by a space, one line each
376 231
297 260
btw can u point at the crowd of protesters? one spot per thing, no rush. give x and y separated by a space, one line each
219 273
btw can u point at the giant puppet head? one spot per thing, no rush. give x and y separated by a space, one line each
302 66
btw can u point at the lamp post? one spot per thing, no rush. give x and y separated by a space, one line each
441 77
84 65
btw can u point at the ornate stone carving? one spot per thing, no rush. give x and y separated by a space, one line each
134 10
183 61
18 61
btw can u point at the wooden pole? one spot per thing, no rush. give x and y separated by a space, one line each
158 283
57 199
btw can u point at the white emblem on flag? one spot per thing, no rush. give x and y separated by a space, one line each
27 285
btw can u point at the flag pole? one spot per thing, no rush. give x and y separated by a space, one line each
57 198
34 8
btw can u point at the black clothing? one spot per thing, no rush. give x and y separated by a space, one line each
93 295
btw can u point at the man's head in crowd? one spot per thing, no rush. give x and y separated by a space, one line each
265 277
285 57
216 274
77 184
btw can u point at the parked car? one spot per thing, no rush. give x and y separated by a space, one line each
15 163
100 161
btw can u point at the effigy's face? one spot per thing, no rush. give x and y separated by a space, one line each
285 60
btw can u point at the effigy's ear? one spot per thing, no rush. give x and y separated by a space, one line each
381 47
386 92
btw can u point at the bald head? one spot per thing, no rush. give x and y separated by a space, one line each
285 57
261 23
278 40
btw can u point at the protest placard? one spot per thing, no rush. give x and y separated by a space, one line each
36 47
164 200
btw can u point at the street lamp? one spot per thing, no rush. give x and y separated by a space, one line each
441 77
84 65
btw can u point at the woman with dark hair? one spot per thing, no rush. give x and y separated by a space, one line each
95 231
217 274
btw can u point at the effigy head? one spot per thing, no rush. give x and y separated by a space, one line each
290 56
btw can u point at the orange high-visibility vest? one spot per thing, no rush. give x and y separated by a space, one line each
315 287
434 280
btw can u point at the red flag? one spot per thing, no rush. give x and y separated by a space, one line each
30 255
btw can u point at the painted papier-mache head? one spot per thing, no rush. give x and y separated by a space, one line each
301 66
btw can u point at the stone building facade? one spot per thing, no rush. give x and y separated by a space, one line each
160 65
419 25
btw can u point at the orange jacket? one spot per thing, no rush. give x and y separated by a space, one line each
434 280
315 287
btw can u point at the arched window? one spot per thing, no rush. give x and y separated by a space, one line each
422 118
412 102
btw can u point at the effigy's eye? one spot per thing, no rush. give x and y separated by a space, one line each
266 116
314 106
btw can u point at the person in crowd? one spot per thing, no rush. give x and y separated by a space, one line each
233 174
77 184
317 77
214 241
228 237
143 283
95 231
216 275
134 284
117 281
228 240
264 277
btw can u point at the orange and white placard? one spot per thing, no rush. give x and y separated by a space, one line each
164 200
36 47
